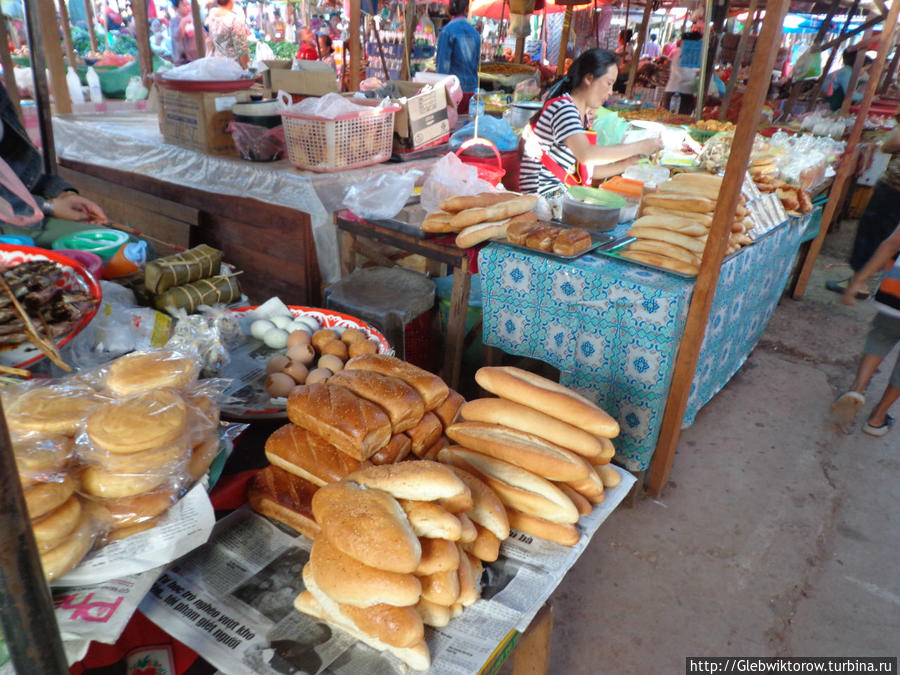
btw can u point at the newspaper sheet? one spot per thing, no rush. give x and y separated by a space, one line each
231 600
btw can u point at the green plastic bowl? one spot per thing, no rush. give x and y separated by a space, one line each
103 242
597 197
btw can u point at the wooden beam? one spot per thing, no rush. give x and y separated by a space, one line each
89 18
355 55
869 23
642 38
891 71
410 19
9 75
142 35
53 53
564 41
716 244
738 60
66 26
847 162
711 33
858 61
520 50
198 29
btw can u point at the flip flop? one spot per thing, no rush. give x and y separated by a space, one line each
882 430
847 405
841 286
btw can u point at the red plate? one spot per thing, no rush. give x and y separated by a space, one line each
75 277
213 86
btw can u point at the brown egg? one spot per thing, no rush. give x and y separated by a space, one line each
277 364
353 335
304 354
298 337
297 371
338 348
331 362
318 375
321 337
279 384
364 347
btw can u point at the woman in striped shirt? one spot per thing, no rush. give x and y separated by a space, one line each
556 142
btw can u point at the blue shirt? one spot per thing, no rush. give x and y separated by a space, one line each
459 52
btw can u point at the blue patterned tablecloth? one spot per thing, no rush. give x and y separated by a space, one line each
613 328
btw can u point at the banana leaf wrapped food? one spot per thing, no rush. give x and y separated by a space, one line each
215 290
174 270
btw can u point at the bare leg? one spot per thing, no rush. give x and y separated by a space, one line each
877 418
867 368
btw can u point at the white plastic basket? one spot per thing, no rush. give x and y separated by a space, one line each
345 142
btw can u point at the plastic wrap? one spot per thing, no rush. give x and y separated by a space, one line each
208 333
381 196
209 68
256 143
450 177
329 106
41 458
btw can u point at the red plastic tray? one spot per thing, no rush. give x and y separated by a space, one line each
199 86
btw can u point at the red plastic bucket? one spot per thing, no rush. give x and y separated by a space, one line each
484 165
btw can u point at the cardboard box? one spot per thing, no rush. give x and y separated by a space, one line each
198 120
422 119
311 81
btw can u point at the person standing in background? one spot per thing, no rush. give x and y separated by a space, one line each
651 49
228 33
307 50
278 26
181 32
682 80
326 51
459 51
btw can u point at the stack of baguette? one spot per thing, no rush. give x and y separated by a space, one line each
481 217
544 449
408 566
675 221
377 410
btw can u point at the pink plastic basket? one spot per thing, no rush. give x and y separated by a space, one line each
345 142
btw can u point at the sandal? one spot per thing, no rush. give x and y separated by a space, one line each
846 407
840 286
882 430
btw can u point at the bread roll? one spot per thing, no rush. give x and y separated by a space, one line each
362 348
519 448
662 261
512 207
479 201
532 390
698 218
416 657
62 558
561 533
448 411
424 481
40 458
515 486
352 424
686 226
395 451
517 233
682 203
608 474
51 529
111 485
425 434
468 533
43 498
605 457
441 588
52 409
457 505
438 555
322 337
591 488
487 509
475 234
143 371
202 456
170 457
693 244
430 387
282 496
486 546
432 451
129 511
529 420
143 421
386 542
433 614
402 404
429 519
438 222
571 242
666 249
353 335
542 238
580 501
305 454
351 582
469 589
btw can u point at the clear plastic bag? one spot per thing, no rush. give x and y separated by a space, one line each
208 68
256 143
450 177
329 106
135 90
495 130
382 196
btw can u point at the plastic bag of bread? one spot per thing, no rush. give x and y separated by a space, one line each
41 458
56 408
151 369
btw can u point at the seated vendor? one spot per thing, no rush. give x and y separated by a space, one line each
54 196
557 146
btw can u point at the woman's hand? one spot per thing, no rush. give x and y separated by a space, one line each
72 206
650 146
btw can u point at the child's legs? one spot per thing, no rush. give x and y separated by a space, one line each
891 394
883 335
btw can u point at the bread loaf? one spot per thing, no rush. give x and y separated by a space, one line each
687 226
305 454
425 434
487 509
468 533
479 201
448 411
423 481
591 488
433 614
609 476
469 587
691 243
352 424
508 209
53 528
441 588
698 218
682 203
400 401
561 533
666 249
666 262
517 233
430 387
282 496
63 557
438 555
532 390
395 451
542 238
571 242
429 519
485 547
432 452
438 222
580 501
475 234
386 542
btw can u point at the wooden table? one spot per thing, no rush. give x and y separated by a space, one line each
406 237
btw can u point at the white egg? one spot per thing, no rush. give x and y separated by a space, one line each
310 322
282 322
260 327
276 338
300 325
339 330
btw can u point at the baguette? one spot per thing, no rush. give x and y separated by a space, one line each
433 614
422 481
308 456
520 448
431 452
664 248
441 588
429 519
438 222
485 547
682 203
520 386
395 451
662 261
605 457
487 509
282 496
693 244
425 434
469 590
479 201
475 234
579 500
702 218
560 533
686 226
401 402
523 418
469 533
438 555
608 474
679 188
430 387
591 488
512 207
448 411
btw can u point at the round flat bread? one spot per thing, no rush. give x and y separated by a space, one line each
60 559
43 498
141 422
143 371
50 530
52 409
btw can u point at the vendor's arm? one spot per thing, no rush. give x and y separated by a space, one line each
883 255
72 206
892 144
598 155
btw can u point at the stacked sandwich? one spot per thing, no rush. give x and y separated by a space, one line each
106 456
377 410
481 217
407 566
544 449
675 221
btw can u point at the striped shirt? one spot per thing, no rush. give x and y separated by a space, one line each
558 121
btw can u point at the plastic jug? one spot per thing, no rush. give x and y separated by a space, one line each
128 259
74 85
94 89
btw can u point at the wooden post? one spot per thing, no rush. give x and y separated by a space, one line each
704 60
716 244
89 17
9 75
714 41
520 50
642 38
353 37
142 35
66 27
848 159
858 62
410 19
199 40
564 41
53 54
370 23
890 72
738 60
